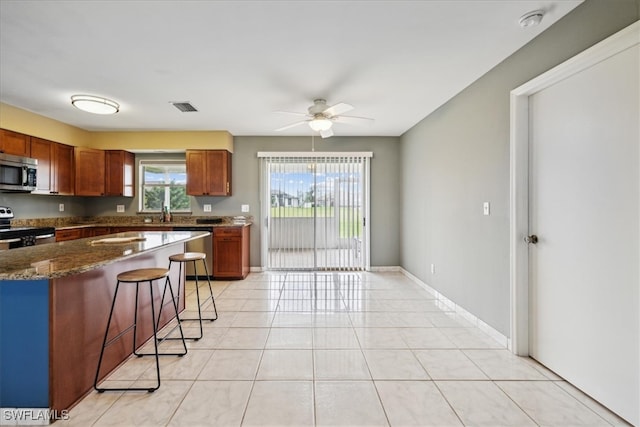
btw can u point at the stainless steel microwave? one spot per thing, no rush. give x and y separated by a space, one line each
17 174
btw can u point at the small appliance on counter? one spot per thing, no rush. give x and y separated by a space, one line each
18 237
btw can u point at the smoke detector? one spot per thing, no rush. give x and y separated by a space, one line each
531 19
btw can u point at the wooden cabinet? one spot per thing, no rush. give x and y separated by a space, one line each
69 234
62 175
55 167
96 231
14 143
119 173
208 172
89 171
230 252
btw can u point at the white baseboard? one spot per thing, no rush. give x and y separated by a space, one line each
470 317
382 269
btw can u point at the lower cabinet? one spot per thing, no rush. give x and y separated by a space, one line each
81 232
69 234
230 252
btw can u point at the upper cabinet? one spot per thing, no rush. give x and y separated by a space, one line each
14 143
208 173
89 171
120 173
55 167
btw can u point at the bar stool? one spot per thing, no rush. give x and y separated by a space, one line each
137 277
184 258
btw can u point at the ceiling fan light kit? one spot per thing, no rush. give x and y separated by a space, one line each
95 104
320 124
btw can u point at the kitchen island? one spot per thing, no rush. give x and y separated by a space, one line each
54 304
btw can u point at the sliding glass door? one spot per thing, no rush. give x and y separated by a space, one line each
315 207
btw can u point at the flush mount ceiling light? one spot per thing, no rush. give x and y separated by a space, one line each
95 104
320 124
531 19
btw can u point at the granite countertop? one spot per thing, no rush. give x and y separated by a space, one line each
62 223
61 259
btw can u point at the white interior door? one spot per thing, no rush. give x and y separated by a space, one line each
584 189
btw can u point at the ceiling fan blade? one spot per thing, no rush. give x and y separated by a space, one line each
351 120
326 133
292 125
337 109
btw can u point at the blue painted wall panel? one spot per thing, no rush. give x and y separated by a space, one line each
24 343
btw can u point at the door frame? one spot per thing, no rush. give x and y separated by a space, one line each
519 173
265 199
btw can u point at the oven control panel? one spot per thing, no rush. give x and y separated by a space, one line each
6 213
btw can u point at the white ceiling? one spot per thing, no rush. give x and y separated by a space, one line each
238 62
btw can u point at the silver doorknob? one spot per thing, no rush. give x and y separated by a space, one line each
533 239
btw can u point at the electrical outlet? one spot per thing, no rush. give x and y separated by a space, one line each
433 269
119 208
486 208
61 207
245 208
207 208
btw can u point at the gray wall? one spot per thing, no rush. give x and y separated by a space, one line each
27 206
458 157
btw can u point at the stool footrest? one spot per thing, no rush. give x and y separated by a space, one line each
197 320
117 337
160 354
149 390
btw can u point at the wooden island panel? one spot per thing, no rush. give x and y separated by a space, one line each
79 310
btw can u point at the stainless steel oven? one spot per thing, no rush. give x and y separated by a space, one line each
204 245
19 237
17 174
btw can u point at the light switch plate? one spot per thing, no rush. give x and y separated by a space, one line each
61 207
486 208
206 208
433 269
245 208
119 208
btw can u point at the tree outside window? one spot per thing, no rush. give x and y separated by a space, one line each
164 184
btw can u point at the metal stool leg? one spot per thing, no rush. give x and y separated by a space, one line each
156 353
213 301
199 318
134 326
167 284
104 341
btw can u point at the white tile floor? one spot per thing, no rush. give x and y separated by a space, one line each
351 349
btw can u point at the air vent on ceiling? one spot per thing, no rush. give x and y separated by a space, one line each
185 107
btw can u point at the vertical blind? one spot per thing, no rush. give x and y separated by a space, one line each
315 208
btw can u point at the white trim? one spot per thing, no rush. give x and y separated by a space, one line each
286 154
519 172
446 304
385 269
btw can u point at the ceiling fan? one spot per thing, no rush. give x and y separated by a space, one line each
321 117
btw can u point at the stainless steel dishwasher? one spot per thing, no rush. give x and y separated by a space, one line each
204 245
